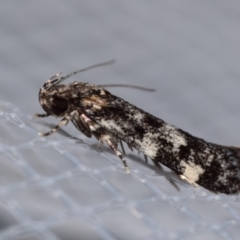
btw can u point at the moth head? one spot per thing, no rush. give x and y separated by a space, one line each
52 103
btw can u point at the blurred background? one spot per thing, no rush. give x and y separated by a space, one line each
64 187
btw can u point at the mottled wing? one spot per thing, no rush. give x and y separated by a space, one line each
212 166
137 128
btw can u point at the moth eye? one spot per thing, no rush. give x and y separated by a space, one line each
60 105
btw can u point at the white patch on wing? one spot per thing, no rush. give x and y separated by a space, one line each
192 171
147 146
178 141
138 116
175 137
111 125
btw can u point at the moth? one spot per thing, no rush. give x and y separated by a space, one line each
94 111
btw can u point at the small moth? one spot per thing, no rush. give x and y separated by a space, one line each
94 111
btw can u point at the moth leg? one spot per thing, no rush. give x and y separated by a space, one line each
113 146
122 146
102 135
81 125
63 122
156 163
130 147
145 157
43 115
112 142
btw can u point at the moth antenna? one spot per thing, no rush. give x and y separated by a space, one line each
128 86
84 69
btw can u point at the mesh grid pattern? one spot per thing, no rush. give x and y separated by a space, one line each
64 186
48 192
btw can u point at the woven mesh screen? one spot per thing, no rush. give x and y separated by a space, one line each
65 186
